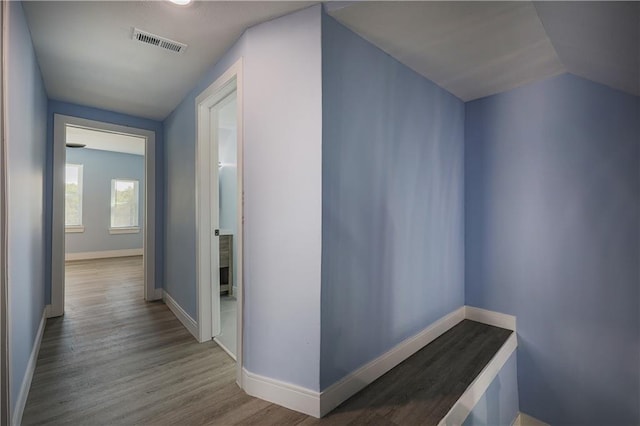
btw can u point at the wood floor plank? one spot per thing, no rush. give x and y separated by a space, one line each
115 359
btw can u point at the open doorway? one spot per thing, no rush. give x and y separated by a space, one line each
104 216
220 214
103 206
225 123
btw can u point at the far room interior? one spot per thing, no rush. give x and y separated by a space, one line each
104 215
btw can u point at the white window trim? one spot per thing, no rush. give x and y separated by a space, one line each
125 230
136 185
74 228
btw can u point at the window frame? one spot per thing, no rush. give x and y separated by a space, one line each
79 227
129 229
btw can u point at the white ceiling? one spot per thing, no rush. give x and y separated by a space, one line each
105 141
475 49
87 56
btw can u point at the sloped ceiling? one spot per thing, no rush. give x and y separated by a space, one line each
475 49
87 56
595 40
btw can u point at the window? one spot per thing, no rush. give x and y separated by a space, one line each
124 206
73 198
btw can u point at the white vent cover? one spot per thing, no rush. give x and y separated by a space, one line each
156 40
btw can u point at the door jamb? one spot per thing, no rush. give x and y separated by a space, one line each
230 80
5 371
57 230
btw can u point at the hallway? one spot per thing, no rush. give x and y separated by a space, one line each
114 359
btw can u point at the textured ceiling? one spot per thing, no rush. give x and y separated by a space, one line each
472 49
475 49
87 57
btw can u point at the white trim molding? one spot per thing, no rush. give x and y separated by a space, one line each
73 229
342 390
318 404
60 123
206 192
206 217
125 230
104 254
463 406
496 319
21 401
5 369
287 395
186 320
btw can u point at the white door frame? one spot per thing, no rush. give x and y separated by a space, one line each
229 81
58 232
5 403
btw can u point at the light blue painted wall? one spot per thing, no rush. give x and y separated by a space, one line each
180 193
26 157
499 404
282 196
99 168
552 208
89 113
392 203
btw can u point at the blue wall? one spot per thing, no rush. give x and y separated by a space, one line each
26 157
552 208
99 168
180 193
392 202
73 110
499 404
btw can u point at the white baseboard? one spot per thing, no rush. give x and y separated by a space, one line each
496 319
318 404
285 394
463 406
340 391
526 420
104 254
21 401
188 322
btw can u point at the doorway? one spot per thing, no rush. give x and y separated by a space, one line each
225 181
104 215
126 199
220 214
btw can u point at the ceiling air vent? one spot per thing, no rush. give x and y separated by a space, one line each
156 40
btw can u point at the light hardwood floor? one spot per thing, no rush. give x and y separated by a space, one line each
114 359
